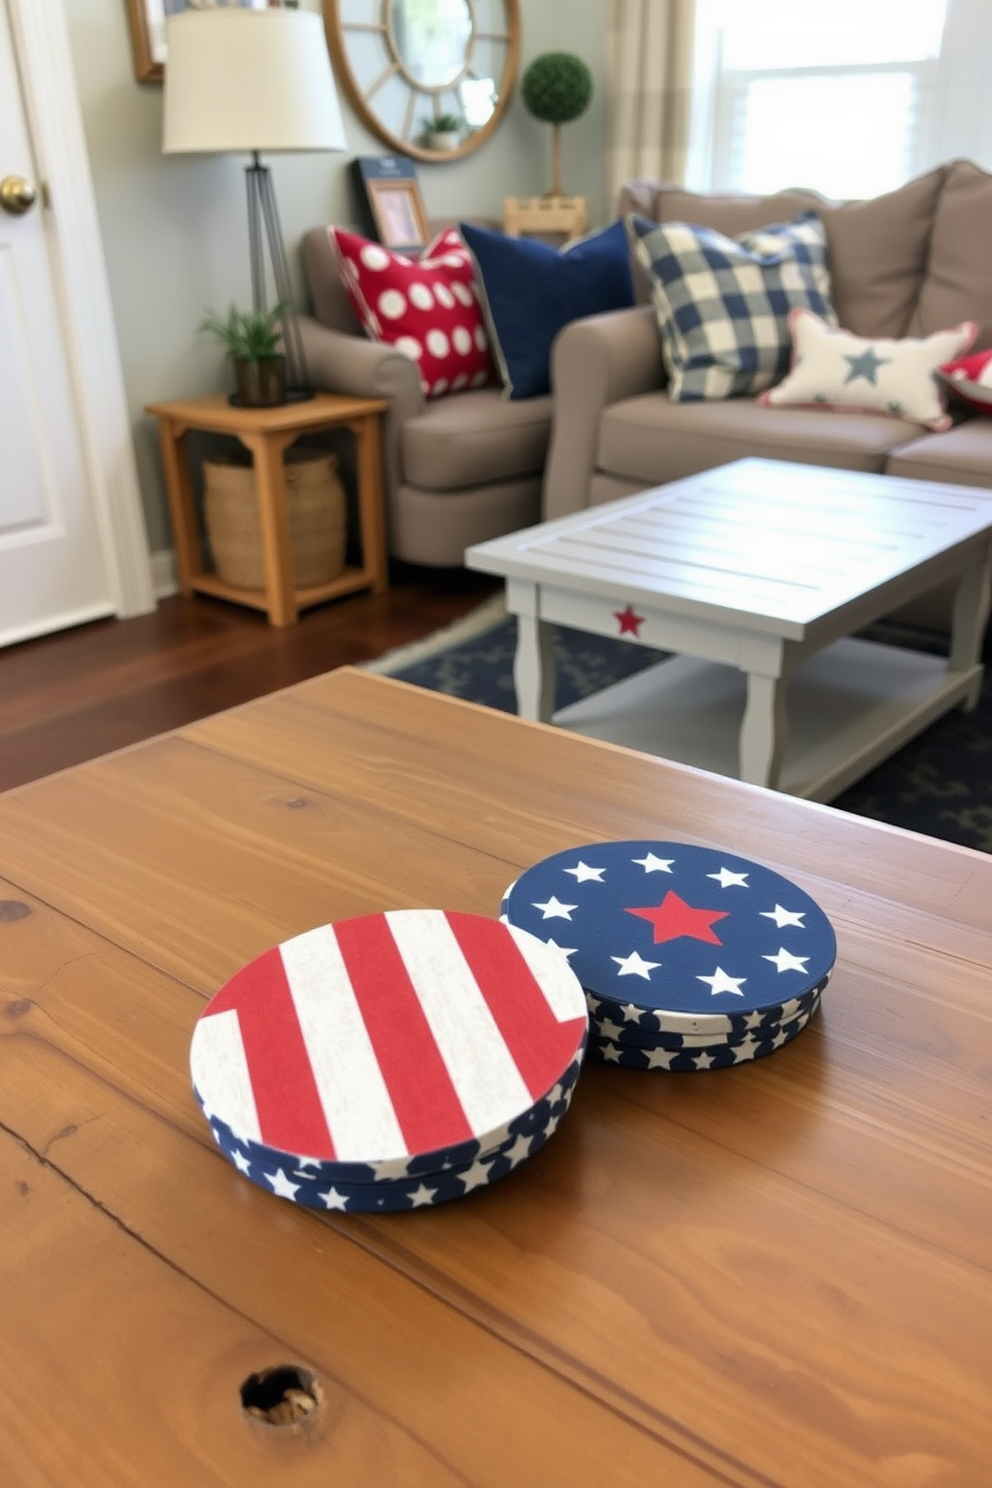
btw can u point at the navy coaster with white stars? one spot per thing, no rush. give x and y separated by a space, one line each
714 1056
668 938
609 1023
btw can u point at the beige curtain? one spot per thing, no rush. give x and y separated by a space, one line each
649 70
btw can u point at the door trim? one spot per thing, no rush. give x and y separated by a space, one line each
41 43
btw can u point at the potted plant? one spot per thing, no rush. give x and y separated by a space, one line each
444 132
251 339
556 88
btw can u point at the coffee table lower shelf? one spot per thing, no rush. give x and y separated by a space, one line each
849 707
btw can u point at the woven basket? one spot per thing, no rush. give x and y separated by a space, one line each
317 520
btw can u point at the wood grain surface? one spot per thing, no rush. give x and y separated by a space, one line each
776 1274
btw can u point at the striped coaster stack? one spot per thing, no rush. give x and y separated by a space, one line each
691 959
393 1061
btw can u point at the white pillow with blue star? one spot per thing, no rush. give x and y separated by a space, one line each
834 369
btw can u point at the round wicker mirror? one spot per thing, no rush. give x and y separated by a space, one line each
430 78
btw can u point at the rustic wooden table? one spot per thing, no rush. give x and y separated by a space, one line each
776 1274
267 433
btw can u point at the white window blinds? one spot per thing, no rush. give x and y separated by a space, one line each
840 95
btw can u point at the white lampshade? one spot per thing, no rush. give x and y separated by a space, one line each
245 80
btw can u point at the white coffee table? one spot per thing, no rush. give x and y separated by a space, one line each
756 574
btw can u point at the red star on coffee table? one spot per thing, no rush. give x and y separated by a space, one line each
630 622
673 918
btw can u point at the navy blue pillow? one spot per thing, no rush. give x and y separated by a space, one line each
530 290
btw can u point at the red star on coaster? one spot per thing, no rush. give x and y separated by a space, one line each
630 622
673 918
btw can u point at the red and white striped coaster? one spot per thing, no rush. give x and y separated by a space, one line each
405 1041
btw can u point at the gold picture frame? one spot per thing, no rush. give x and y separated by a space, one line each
399 213
146 68
145 21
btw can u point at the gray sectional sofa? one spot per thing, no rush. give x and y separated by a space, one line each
906 264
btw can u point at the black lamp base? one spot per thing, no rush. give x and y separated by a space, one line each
262 210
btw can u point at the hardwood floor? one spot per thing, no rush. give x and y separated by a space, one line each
81 693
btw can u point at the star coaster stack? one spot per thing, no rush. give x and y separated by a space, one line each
394 1061
690 958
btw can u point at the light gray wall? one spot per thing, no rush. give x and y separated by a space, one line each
174 227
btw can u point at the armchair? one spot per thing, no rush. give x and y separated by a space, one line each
457 470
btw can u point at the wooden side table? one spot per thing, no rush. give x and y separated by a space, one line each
527 215
267 433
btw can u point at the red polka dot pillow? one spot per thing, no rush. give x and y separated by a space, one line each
426 307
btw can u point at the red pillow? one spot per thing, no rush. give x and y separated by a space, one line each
426 307
970 378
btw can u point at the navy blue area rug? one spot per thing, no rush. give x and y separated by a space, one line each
939 784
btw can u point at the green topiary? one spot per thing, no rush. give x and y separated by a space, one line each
556 88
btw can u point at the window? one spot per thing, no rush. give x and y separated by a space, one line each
846 96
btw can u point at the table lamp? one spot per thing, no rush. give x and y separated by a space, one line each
239 80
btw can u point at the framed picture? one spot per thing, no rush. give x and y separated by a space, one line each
399 214
146 20
390 199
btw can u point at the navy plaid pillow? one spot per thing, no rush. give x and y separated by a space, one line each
722 304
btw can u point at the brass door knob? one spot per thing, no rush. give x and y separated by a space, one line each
17 195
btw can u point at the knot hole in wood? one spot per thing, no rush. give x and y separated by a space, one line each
283 1396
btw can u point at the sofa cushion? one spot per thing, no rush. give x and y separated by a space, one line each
474 438
833 369
722 303
435 527
426 307
958 284
961 456
877 250
651 440
730 213
531 290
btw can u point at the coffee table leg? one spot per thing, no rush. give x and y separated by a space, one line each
971 612
534 669
763 730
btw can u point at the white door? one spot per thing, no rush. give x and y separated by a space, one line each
53 568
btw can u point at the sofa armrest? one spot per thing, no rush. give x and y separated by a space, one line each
339 363
594 362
